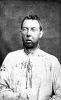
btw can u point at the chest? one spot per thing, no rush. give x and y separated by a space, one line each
36 70
31 76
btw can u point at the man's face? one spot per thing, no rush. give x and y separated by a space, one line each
30 33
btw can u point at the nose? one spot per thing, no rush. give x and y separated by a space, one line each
29 33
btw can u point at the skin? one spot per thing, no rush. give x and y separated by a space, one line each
31 34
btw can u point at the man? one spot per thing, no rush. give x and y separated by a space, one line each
30 73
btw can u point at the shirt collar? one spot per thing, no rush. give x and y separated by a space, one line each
32 52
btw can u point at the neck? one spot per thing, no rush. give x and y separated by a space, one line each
31 51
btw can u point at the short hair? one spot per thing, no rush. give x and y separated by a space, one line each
33 17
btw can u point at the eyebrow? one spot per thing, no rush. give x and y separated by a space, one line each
27 27
33 27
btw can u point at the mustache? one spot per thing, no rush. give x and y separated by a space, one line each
28 40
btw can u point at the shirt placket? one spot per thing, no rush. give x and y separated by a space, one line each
28 78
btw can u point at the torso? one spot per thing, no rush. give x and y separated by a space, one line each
39 79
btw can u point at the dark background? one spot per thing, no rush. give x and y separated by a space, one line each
11 14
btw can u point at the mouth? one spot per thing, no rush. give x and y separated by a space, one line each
28 40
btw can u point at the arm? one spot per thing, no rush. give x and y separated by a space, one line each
57 81
6 92
44 89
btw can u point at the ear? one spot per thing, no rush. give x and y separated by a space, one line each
41 33
21 32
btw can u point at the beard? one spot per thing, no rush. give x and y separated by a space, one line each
29 44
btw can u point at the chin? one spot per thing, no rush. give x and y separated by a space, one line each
29 46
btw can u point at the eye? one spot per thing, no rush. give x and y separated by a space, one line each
34 29
24 29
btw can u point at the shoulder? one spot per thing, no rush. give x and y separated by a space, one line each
50 58
11 58
14 55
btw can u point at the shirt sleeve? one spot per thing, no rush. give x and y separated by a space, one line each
56 80
6 93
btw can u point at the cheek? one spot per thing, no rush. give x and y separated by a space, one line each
24 36
35 36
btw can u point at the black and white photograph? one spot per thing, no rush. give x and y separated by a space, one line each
30 50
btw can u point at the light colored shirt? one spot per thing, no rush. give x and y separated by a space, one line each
32 76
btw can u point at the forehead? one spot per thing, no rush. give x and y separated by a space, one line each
31 23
